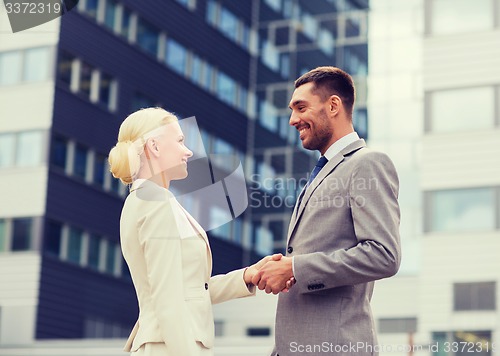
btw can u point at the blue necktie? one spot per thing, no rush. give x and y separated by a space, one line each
320 164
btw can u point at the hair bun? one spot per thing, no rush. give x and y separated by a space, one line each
124 161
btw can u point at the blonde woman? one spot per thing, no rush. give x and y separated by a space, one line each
166 250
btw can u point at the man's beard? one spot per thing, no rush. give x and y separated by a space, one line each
322 136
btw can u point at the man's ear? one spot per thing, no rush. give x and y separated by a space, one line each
335 104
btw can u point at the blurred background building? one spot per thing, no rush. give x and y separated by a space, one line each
433 105
66 86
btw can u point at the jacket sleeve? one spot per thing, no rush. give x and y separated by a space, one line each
161 243
224 287
375 218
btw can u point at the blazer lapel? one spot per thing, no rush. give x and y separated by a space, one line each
327 169
197 227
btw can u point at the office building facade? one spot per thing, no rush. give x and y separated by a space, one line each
445 71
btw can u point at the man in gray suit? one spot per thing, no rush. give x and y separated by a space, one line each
344 231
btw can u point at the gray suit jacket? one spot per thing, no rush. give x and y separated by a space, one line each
344 235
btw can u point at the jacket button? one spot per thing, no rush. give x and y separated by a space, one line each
206 286
290 249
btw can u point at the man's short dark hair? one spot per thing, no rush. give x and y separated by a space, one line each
330 81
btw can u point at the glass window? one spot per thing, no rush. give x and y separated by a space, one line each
462 210
263 241
105 84
274 4
53 238
243 99
474 296
270 56
80 162
93 252
220 218
99 169
75 244
125 28
196 68
85 79
228 24
455 16
29 149
212 13
10 67
310 25
268 116
59 152
245 36
110 257
176 56
3 234
110 15
22 234
91 7
147 37
361 123
450 110
36 64
226 88
64 67
190 4
140 101
115 185
397 325
285 65
326 42
208 75
7 150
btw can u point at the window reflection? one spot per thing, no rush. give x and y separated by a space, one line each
85 79
74 245
29 149
36 64
147 37
7 150
462 210
10 67
450 110
455 16
176 56
21 234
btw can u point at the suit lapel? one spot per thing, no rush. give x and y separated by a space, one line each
197 227
327 169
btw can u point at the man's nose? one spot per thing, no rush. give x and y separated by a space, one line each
294 120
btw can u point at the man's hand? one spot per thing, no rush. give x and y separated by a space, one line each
251 271
275 276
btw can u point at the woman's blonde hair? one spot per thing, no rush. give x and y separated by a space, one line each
125 157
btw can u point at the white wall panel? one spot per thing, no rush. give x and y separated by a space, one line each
469 159
23 192
19 285
26 106
468 59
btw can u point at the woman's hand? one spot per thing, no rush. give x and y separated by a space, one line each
251 271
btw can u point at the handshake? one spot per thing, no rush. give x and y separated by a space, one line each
273 274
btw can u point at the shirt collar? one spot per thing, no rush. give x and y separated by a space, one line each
340 144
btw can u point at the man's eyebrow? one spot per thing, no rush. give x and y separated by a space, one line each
296 103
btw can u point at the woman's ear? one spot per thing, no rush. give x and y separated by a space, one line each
152 147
